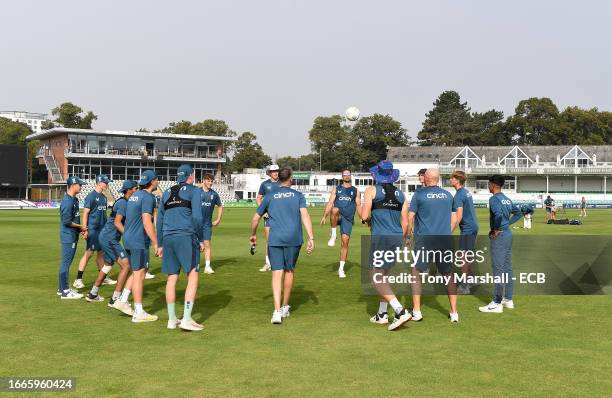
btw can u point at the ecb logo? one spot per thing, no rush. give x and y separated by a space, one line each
506 202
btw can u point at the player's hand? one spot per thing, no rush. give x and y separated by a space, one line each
216 222
201 247
310 246
159 251
85 234
253 239
323 220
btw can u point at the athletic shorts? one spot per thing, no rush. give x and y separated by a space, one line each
346 226
112 250
434 247
180 252
207 232
93 241
283 257
139 258
380 246
467 242
548 210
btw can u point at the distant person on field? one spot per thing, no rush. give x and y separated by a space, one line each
210 200
583 203
269 185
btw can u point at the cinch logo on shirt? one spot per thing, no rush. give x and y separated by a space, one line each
436 196
102 208
282 195
348 198
133 198
506 202
207 204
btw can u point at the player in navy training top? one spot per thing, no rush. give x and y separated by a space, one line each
287 211
210 200
343 201
265 188
94 216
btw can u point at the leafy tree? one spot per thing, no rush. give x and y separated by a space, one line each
370 137
447 123
212 127
13 132
248 153
326 137
71 116
487 129
535 122
582 127
303 162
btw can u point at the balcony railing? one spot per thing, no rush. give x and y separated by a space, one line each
542 169
145 153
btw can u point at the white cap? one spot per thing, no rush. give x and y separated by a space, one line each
273 167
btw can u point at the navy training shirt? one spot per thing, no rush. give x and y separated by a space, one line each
268 186
210 199
433 207
502 212
96 203
186 221
134 236
283 206
385 221
109 231
69 214
463 199
345 201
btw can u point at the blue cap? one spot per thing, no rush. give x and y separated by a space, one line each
184 171
146 177
127 185
103 178
74 180
384 172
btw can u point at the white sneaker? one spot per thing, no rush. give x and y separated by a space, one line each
400 319
208 270
341 274
492 307
91 298
126 308
144 317
190 325
78 284
285 311
331 242
507 304
58 292
380 318
71 295
417 316
173 324
109 281
149 275
265 268
277 317
454 317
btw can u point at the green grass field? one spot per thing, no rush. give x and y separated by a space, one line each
548 345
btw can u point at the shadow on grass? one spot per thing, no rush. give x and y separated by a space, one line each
347 267
215 264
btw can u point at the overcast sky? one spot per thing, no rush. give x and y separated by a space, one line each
271 67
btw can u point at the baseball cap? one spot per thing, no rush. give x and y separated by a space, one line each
74 180
422 172
127 185
184 171
146 177
103 178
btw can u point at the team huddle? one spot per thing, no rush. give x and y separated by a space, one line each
179 229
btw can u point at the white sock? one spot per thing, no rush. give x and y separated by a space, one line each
333 233
207 263
125 295
116 295
94 290
342 265
138 308
267 260
416 313
382 307
397 307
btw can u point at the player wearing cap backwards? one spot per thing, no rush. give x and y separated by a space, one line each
179 230
70 226
265 188
138 233
210 199
110 238
386 211
287 210
343 202
94 216
421 177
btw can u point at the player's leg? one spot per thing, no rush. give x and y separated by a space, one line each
334 218
122 288
507 301
291 256
266 266
346 227
381 317
207 250
189 257
277 264
171 300
497 262
384 290
68 252
93 295
78 282
139 264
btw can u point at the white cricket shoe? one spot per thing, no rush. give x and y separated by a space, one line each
277 317
341 274
109 281
507 304
58 292
285 311
454 317
331 242
172 324
149 275
266 267
400 319
78 284
93 298
144 317
380 318
124 307
71 295
190 325
417 316
209 270
492 307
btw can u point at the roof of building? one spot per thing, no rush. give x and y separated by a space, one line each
62 130
445 154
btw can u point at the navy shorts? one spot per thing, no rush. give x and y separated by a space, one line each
283 257
434 249
93 241
112 250
346 226
383 249
467 242
207 232
180 252
139 258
